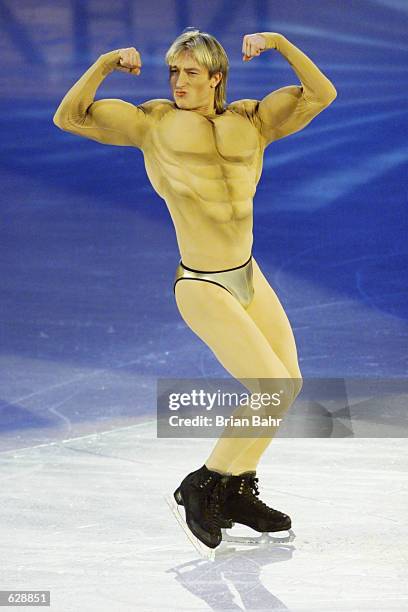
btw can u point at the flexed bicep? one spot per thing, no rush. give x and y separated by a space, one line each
114 121
286 111
109 121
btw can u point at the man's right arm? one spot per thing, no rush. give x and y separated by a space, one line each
109 121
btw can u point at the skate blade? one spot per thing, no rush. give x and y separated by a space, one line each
264 538
205 551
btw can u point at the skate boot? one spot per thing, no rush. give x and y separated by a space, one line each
241 504
201 493
223 521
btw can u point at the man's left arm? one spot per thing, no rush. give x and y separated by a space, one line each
289 109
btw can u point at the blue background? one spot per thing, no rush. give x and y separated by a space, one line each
88 251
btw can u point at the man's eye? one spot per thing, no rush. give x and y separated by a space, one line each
172 71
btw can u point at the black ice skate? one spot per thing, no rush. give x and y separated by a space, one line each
223 522
242 505
201 493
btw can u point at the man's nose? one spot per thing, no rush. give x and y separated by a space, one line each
180 81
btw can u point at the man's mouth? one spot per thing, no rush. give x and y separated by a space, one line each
181 93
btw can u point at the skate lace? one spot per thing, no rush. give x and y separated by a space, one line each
214 500
251 490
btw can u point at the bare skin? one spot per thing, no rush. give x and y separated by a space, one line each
206 166
210 188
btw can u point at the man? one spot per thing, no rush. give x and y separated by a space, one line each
204 158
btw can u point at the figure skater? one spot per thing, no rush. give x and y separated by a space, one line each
204 158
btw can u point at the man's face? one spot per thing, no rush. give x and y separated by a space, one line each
188 76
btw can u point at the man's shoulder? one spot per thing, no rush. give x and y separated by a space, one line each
246 107
156 107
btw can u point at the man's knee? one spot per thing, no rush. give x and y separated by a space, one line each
277 395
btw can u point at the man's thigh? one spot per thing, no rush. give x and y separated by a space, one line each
268 314
225 326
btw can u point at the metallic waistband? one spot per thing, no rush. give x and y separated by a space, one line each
217 271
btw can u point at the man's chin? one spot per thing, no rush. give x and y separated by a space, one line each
183 106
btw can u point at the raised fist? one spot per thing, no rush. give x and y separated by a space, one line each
129 61
252 46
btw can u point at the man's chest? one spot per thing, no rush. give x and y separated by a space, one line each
190 136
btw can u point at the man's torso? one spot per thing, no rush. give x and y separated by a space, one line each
207 170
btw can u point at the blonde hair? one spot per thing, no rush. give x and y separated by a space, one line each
207 52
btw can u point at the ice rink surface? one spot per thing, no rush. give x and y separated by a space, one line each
85 518
88 318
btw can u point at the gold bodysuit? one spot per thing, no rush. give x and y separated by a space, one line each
205 167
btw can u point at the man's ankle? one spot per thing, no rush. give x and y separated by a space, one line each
218 470
245 472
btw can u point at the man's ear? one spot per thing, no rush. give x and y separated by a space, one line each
216 78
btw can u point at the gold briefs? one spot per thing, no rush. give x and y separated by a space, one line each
238 281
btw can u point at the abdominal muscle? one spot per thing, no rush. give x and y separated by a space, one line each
208 192
212 236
